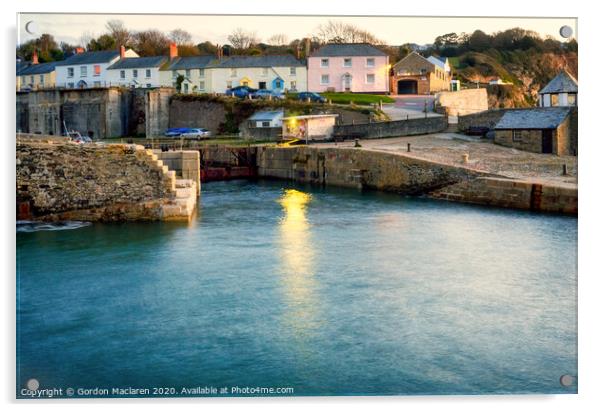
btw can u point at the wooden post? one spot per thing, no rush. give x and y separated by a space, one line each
564 170
409 150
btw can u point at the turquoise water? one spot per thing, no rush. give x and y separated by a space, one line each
326 291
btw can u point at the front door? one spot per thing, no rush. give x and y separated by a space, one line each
347 83
546 141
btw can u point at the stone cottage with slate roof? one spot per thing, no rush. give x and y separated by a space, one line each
348 67
136 71
539 130
88 69
561 91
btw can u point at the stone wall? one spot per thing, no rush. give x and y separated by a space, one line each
65 181
395 128
530 141
359 168
487 118
157 103
185 163
462 102
511 194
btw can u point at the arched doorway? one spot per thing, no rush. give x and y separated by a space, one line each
407 87
82 84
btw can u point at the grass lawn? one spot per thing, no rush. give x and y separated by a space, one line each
357 98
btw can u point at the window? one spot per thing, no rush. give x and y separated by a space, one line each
70 71
264 71
201 85
370 78
517 136
347 62
97 70
293 85
265 124
148 85
31 80
232 72
422 71
324 79
122 74
175 74
188 73
96 84
370 62
41 78
293 71
324 63
554 99
278 84
148 73
572 99
185 87
83 71
70 85
228 85
262 85
135 73
201 72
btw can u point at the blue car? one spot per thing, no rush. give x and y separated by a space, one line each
175 131
240 91
313 97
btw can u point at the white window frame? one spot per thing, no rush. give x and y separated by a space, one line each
233 72
135 73
148 73
201 72
373 78
517 135
70 72
293 71
188 73
202 85
94 70
41 79
324 63
322 76
345 59
370 59
83 71
122 74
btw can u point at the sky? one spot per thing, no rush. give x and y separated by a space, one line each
215 28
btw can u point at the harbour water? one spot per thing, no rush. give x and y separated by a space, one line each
326 291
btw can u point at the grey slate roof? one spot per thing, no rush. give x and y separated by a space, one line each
21 65
267 115
138 62
40 68
284 60
191 62
89 58
563 82
536 118
347 49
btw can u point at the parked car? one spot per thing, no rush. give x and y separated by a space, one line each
196 133
313 97
266 94
240 91
175 131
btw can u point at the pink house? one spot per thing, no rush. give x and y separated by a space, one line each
352 67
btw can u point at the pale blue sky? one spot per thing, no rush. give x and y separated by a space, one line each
393 30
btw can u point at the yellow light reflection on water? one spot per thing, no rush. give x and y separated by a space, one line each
298 261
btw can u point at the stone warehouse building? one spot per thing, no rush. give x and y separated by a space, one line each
415 74
540 130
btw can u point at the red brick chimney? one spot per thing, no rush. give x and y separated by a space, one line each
79 50
173 50
122 52
34 57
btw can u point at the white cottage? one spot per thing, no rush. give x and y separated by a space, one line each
88 69
136 71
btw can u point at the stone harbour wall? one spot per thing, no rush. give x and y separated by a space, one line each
350 167
394 128
66 181
462 102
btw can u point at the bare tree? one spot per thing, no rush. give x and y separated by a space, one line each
180 37
242 39
151 43
85 38
119 32
340 32
278 40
